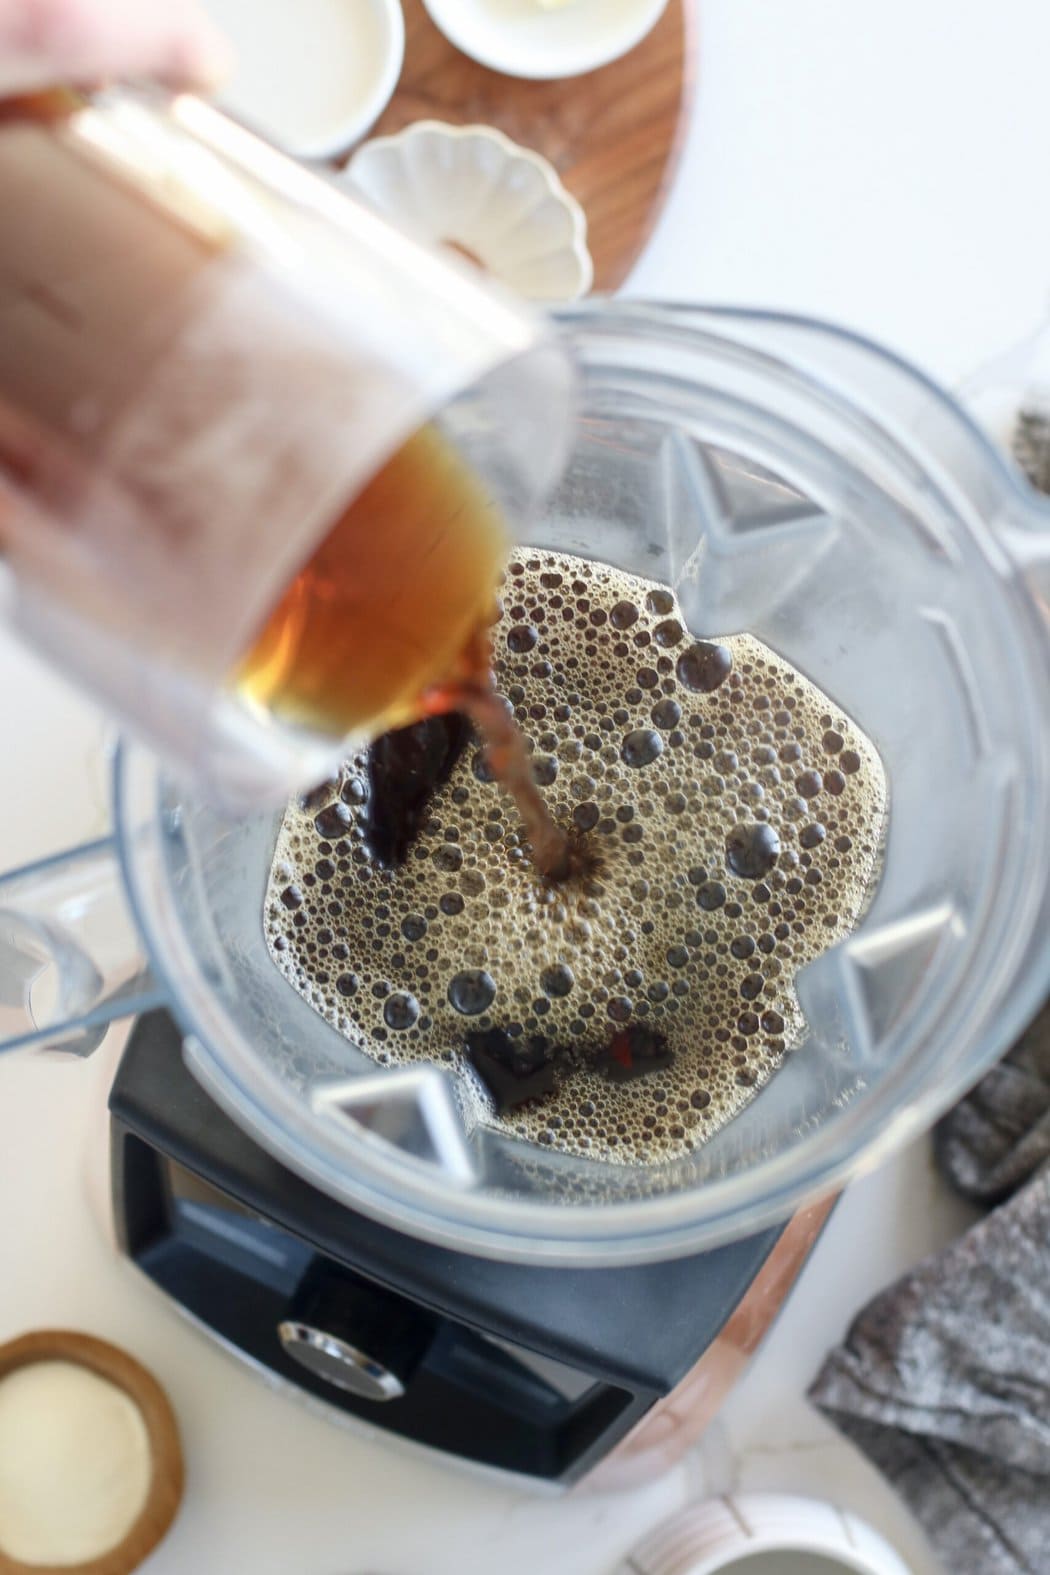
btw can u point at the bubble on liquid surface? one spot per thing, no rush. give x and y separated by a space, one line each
334 822
666 714
557 981
522 638
704 667
685 766
400 1010
641 747
471 991
752 849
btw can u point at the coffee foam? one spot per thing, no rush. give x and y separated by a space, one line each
737 831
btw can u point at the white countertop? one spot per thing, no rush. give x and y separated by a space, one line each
879 165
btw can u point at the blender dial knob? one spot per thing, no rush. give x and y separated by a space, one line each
339 1362
355 1334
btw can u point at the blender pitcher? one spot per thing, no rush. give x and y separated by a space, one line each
789 480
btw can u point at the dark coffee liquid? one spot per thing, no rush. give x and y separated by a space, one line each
733 816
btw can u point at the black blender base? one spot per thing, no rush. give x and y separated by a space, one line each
534 1370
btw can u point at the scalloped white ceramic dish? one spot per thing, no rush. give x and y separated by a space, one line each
471 188
526 38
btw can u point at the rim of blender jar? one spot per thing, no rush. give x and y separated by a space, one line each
405 1194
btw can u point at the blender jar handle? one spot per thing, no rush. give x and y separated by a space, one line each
71 957
1027 540
997 396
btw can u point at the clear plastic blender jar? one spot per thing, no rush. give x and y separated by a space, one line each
788 480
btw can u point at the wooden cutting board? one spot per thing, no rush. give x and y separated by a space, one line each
613 135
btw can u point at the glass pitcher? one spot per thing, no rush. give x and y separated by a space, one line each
208 351
790 480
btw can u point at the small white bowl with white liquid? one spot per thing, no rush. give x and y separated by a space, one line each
545 39
311 75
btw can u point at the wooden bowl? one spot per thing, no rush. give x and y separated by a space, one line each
166 1478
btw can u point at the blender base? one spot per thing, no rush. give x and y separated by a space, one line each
547 1373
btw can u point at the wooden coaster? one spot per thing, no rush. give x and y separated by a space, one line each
613 135
166 1483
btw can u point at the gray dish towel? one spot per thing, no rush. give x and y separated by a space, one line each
944 1379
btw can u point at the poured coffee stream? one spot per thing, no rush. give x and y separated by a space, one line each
551 849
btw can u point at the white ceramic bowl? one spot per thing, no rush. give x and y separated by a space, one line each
764 1534
472 188
311 75
524 38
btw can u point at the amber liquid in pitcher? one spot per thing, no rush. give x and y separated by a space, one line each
387 622
389 604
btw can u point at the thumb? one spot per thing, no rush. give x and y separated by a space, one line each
47 42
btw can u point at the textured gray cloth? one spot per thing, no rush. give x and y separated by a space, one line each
999 1137
944 1379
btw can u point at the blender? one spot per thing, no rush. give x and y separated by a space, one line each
788 480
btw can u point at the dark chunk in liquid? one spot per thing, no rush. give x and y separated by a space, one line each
634 1052
404 770
512 1070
